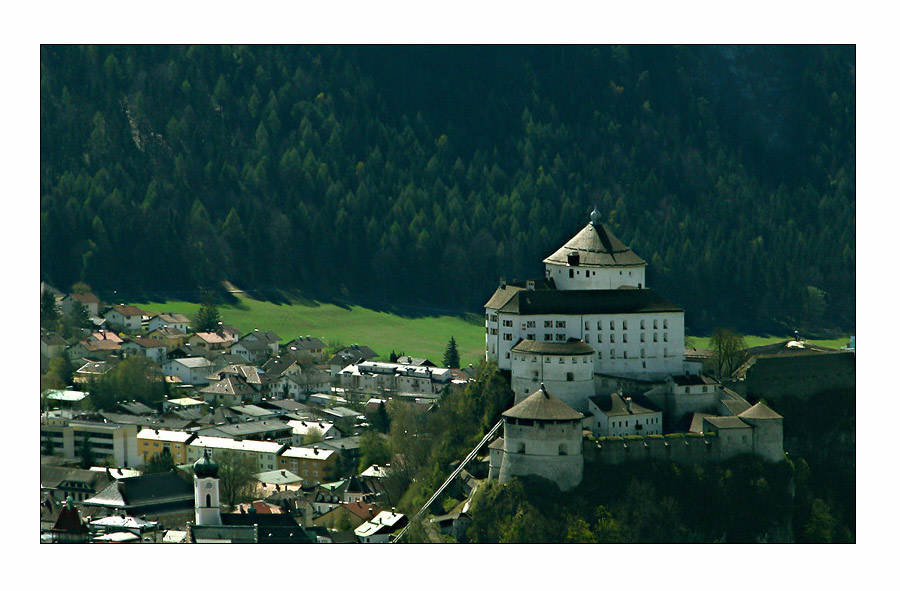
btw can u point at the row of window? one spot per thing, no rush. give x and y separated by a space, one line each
587 324
637 422
612 338
612 354
612 324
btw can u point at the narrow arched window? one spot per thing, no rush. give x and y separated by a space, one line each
208 500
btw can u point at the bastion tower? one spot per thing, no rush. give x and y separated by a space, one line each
541 437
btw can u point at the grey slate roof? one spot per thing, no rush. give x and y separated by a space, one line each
571 347
596 247
727 423
615 405
736 405
759 411
543 406
272 528
502 295
148 493
588 301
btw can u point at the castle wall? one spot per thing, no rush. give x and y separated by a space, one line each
768 438
687 449
565 471
799 376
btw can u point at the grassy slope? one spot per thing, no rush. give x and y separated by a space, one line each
384 332
756 341
420 337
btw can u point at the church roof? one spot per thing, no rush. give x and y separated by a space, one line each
587 301
596 246
571 347
543 406
165 491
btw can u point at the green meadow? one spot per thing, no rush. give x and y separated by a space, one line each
419 336
756 341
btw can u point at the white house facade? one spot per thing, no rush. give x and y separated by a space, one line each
190 370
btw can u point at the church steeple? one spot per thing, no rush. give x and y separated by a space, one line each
206 491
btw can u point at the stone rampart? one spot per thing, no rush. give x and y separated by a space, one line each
680 448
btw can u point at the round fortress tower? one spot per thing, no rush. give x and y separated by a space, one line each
566 369
542 436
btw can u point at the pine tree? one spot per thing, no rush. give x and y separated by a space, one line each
451 354
207 317
49 311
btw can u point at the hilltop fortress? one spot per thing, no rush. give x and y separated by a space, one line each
591 348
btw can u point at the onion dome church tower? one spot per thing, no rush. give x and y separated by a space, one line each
206 491
542 436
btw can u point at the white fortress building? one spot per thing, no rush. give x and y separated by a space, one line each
595 292
576 340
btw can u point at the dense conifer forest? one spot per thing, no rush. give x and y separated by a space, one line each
418 176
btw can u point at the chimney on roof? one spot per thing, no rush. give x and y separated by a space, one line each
529 285
628 404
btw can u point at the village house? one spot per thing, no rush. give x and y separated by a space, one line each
309 344
348 356
380 528
314 465
171 338
172 320
190 370
108 442
272 430
151 442
100 345
377 378
265 454
90 302
125 318
303 429
269 338
211 341
53 345
253 351
149 348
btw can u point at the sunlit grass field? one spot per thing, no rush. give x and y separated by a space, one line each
421 336
418 336
756 341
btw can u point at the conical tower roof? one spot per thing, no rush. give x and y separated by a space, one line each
596 246
760 411
543 406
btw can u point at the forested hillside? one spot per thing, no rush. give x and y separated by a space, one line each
420 175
